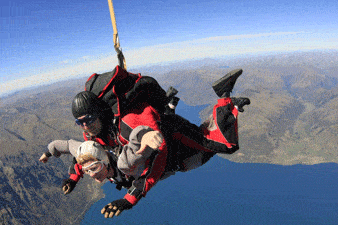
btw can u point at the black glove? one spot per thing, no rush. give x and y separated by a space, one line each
68 185
115 208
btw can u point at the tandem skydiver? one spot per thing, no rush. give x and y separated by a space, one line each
143 146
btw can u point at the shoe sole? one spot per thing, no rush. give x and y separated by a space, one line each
221 84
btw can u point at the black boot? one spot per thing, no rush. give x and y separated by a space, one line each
224 86
240 102
170 108
173 101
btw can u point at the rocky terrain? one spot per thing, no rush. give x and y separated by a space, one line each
292 119
30 190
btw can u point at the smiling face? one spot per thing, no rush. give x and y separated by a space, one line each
93 128
96 169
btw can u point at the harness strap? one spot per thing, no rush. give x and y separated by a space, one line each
120 57
119 179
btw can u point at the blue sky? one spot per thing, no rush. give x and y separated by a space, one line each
48 41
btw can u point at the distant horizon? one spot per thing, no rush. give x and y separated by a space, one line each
35 83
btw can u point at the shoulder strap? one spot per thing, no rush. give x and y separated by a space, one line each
112 86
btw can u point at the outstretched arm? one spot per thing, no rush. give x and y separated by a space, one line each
144 159
144 142
59 147
147 167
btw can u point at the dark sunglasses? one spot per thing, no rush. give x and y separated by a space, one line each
88 119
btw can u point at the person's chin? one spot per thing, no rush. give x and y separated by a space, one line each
99 180
93 133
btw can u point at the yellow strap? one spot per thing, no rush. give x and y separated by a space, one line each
118 50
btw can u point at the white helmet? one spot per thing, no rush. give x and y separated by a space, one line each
95 149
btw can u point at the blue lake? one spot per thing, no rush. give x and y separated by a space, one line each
224 192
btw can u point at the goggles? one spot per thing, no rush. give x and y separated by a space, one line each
94 167
88 119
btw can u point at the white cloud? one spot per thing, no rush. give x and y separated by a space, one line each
228 45
243 36
177 51
66 72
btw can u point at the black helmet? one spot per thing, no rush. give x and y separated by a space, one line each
87 103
